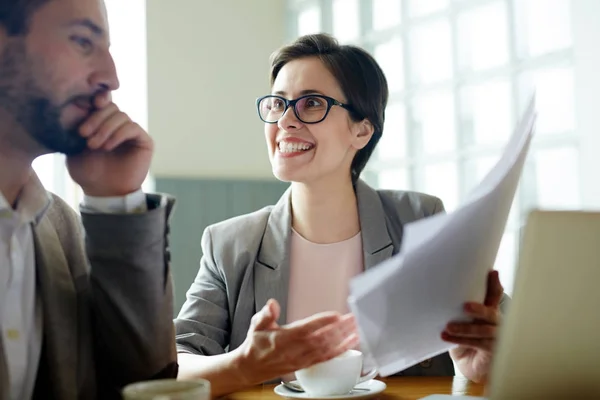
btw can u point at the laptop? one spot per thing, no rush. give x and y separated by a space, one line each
549 343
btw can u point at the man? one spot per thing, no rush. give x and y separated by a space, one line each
85 306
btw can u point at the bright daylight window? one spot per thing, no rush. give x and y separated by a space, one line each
459 72
127 21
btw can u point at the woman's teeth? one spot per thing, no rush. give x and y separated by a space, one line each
287 147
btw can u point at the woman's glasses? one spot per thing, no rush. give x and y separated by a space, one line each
309 109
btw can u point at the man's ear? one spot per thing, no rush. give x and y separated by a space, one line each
362 135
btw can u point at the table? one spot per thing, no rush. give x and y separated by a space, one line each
398 388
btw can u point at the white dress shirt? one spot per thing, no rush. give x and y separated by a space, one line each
20 309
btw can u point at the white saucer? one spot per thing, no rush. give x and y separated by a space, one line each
374 386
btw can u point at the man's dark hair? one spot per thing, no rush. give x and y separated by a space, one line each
360 77
15 15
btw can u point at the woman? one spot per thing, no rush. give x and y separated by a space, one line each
293 261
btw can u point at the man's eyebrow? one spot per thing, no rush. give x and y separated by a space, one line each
87 23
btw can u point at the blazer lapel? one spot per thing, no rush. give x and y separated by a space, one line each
377 244
272 266
59 305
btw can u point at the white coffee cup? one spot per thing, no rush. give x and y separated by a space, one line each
168 389
334 377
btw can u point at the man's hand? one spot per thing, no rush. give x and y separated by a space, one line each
271 351
118 156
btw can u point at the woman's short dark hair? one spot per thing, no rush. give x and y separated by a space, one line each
362 81
15 15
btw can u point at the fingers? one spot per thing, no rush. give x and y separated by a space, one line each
267 317
335 333
481 334
93 123
111 131
482 313
127 132
486 316
298 345
470 330
321 332
495 291
327 352
478 344
313 323
108 128
103 99
119 132
275 308
327 342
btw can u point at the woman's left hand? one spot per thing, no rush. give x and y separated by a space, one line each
477 339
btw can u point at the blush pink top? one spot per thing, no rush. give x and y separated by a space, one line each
320 275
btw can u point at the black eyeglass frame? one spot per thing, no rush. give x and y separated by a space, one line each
292 103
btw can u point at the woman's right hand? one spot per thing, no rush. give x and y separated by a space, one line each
271 351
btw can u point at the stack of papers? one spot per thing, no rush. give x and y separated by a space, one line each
403 305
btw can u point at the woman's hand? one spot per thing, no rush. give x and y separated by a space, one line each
271 351
477 339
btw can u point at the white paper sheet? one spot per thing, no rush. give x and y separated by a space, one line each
403 304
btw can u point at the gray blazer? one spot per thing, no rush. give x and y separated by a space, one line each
245 262
106 299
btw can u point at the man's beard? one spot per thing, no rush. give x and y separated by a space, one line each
32 108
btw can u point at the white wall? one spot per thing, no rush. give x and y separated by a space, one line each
586 35
208 61
129 49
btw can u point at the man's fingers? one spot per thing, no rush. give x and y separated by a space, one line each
109 129
126 133
103 99
93 123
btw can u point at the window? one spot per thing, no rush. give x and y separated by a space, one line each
386 14
459 73
430 52
346 19
128 32
309 20
390 56
482 34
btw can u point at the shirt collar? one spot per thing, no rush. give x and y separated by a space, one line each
33 201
